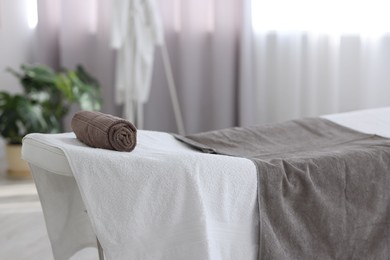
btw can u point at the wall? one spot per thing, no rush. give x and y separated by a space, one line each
16 40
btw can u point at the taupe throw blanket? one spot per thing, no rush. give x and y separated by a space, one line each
324 190
104 131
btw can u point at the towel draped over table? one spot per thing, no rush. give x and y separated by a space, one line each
323 188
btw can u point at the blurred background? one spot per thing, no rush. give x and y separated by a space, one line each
234 63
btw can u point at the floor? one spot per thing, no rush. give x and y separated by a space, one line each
22 228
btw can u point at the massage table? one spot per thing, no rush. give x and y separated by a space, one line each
175 202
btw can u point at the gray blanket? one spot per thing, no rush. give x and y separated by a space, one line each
324 190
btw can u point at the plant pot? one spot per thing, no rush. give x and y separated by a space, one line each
17 168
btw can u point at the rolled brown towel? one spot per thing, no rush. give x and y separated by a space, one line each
104 131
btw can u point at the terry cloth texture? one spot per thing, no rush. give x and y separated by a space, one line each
323 188
162 201
104 131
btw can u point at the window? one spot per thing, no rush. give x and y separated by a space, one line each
322 16
32 13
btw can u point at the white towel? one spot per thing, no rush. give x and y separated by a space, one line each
136 30
163 200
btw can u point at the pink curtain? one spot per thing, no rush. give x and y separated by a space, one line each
204 40
72 32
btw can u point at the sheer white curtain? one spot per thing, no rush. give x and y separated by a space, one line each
334 57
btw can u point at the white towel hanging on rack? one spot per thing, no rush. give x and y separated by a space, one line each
136 31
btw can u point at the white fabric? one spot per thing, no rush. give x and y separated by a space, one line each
369 121
136 30
163 200
308 73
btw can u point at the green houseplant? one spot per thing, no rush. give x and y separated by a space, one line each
46 98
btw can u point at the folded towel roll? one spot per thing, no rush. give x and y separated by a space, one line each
104 131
